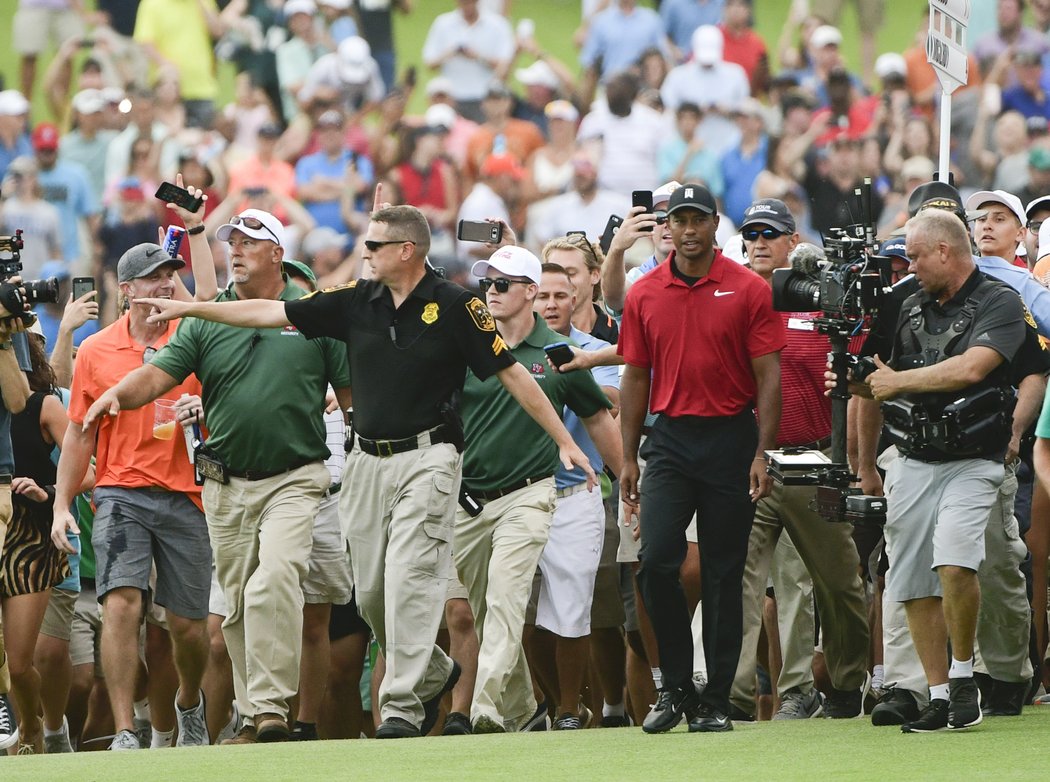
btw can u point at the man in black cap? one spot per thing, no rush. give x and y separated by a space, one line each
705 453
826 549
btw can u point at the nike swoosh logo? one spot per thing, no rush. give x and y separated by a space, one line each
724 293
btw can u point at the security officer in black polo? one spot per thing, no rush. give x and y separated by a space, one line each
410 337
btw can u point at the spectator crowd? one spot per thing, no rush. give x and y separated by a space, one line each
177 569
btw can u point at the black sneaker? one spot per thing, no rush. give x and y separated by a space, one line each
396 728
964 698
710 719
432 705
8 726
457 724
670 707
1007 699
933 718
846 704
615 721
739 715
304 731
896 707
567 721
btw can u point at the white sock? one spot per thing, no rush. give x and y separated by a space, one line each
878 677
161 738
142 709
612 710
961 669
658 678
938 692
60 732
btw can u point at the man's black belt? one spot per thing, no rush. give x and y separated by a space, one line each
495 494
259 475
438 434
5 479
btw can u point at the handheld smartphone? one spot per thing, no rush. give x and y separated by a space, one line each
643 198
611 227
169 193
82 285
559 353
479 231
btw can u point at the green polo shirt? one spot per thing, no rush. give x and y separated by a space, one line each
504 444
263 389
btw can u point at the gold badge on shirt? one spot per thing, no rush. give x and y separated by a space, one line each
430 313
480 314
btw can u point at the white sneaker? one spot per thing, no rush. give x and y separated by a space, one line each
125 739
193 729
8 726
232 726
58 743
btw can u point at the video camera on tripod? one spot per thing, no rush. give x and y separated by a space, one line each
15 298
846 284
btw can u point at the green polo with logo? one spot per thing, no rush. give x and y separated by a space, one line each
263 389
504 444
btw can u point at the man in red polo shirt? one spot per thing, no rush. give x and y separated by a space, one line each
701 342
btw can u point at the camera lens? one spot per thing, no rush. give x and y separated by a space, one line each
41 291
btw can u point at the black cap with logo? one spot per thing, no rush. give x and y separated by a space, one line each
692 196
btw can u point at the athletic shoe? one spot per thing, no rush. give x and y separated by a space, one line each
8 726
1007 699
964 699
230 729
485 724
396 728
615 721
193 729
125 740
457 724
567 721
710 719
896 708
739 715
670 707
540 720
246 735
432 705
846 704
58 743
304 731
796 706
932 719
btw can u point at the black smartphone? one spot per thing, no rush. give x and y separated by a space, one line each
643 198
82 285
559 353
479 231
611 227
173 194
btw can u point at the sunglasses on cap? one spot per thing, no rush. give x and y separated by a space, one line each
253 224
752 234
372 245
502 284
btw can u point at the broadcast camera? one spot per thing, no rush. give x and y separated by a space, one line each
845 284
14 298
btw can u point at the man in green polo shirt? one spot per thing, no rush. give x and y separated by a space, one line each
263 392
508 468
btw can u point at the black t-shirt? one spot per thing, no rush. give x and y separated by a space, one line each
834 208
605 327
404 363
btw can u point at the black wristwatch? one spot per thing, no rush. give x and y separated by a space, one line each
199 229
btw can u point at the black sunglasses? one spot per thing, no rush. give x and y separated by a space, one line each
373 245
254 224
502 284
1035 225
579 238
752 234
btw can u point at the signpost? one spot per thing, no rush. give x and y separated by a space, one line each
946 52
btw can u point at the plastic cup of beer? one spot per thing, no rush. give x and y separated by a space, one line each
164 419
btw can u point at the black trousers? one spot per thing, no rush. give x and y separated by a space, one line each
701 466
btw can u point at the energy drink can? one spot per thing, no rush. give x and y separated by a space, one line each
173 240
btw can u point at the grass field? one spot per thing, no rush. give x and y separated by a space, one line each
1001 749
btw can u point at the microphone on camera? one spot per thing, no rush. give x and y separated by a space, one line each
807 258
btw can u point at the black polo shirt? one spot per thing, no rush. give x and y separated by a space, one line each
404 362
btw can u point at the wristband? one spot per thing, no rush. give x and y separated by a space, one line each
198 229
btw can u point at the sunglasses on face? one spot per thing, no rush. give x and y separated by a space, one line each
1035 225
253 224
502 284
752 234
373 245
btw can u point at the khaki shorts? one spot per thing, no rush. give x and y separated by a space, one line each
607 607
328 578
58 619
85 637
34 27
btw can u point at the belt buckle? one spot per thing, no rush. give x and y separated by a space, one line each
384 445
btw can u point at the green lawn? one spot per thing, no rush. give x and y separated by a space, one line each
812 751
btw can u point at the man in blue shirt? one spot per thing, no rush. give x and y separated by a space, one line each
14 141
682 17
66 187
618 36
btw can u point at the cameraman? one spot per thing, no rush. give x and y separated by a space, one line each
14 391
940 495
826 549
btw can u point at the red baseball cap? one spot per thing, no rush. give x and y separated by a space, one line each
45 136
495 165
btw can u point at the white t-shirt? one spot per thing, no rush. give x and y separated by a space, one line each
490 36
629 146
568 212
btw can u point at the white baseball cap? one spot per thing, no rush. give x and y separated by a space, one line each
1009 200
88 102
1041 201
354 54
254 223
561 109
13 103
293 7
539 74
707 43
440 115
662 194
439 85
890 64
825 35
512 260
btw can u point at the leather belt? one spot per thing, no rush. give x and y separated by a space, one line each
259 475
5 479
333 490
385 448
495 494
